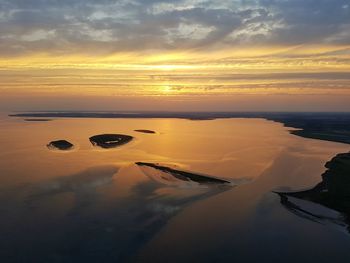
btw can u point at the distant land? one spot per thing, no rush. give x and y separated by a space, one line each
330 126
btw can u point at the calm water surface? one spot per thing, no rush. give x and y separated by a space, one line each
96 205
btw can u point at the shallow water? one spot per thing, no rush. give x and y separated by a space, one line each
97 205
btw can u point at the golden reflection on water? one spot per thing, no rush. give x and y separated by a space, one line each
224 148
228 148
108 186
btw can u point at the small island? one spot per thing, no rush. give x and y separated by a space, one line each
61 145
107 141
37 120
185 176
145 131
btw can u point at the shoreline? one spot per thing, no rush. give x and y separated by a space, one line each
326 126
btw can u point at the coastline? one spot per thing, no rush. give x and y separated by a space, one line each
328 126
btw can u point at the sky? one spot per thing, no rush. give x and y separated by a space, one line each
192 55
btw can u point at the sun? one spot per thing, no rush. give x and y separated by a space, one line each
166 89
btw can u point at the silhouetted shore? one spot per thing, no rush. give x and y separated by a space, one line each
323 126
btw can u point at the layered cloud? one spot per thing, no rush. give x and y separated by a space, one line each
106 26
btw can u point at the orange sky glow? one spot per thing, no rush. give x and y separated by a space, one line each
242 69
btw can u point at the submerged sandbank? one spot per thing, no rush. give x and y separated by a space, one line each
183 175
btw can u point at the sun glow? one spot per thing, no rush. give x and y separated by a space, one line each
166 89
297 71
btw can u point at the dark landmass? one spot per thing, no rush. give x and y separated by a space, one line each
333 192
146 131
185 176
38 120
323 126
110 140
62 145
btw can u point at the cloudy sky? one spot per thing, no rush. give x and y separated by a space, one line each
173 55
